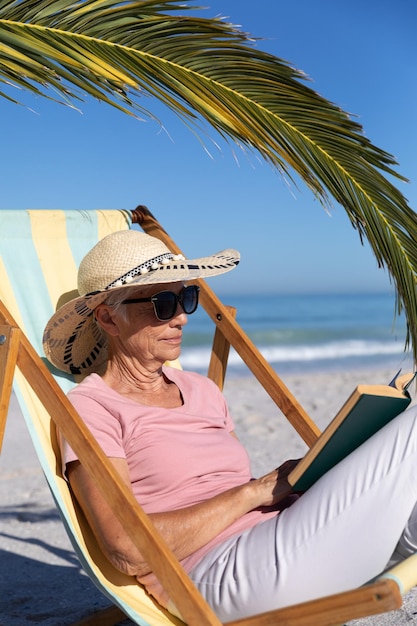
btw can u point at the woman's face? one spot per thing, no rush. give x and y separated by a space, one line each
136 333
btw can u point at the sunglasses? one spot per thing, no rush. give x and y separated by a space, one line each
165 303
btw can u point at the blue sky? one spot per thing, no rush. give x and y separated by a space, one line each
360 55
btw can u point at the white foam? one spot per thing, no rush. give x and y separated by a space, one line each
198 357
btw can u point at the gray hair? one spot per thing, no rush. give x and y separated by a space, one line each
115 302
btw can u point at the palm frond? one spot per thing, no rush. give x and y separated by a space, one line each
207 69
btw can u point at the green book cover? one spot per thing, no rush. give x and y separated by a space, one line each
369 408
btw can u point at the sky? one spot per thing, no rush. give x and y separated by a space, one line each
361 55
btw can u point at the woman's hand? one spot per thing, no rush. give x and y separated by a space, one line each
273 487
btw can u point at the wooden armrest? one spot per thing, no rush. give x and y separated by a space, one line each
379 597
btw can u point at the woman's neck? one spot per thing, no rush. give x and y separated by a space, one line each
145 385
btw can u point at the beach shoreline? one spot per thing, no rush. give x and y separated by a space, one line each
42 581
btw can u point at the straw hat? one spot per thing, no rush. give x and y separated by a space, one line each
72 339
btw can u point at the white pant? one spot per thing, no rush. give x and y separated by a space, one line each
337 536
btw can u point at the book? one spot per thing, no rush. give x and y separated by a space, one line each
367 410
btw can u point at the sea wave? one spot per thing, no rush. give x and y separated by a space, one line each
332 350
197 358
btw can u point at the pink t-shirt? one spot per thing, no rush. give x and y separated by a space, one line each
176 457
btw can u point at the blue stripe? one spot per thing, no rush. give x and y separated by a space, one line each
389 576
82 232
22 266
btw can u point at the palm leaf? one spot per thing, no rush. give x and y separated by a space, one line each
207 69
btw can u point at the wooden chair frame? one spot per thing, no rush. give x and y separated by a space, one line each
17 351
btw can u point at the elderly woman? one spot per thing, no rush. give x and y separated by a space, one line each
247 546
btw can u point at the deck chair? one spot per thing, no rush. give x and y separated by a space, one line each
45 248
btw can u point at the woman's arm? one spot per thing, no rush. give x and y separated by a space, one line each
185 530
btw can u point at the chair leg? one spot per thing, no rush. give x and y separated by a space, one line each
9 346
219 355
110 616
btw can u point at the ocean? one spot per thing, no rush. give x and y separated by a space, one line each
304 333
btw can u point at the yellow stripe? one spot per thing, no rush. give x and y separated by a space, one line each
404 574
7 295
51 243
111 221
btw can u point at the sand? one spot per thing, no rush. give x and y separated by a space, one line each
41 581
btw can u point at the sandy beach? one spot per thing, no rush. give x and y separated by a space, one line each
41 579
